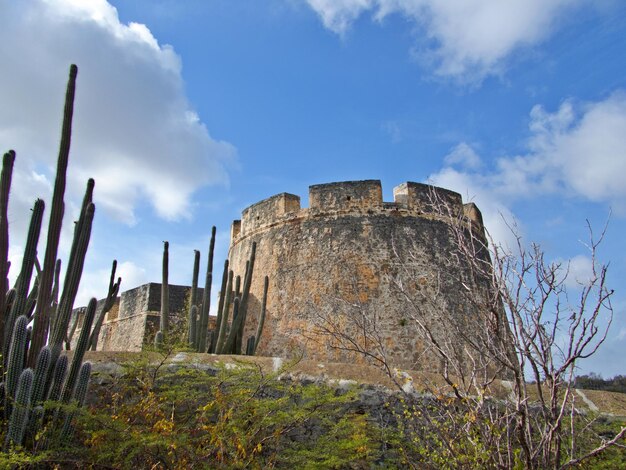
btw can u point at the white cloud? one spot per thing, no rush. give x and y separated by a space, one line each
464 155
463 39
576 151
580 271
338 15
96 283
134 129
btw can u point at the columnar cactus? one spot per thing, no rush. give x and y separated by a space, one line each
206 297
23 387
42 311
193 301
19 416
221 337
244 297
15 361
80 392
193 327
41 374
114 288
259 328
72 280
229 343
58 378
250 346
5 185
28 261
220 305
79 353
165 292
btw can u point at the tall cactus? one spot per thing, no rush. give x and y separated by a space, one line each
193 326
165 292
79 353
18 306
15 360
39 388
80 392
5 185
220 305
193 300
58 378
19 416
28 261
259 328
206 296
114 288
42 311
41 374
245 296
221 337
72 279
229 343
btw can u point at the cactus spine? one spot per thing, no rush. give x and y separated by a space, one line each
19 416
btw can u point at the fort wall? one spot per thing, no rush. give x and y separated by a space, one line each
134 319
350 271
351 259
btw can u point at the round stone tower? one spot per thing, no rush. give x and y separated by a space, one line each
353 278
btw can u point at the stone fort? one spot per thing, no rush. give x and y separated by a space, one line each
352 278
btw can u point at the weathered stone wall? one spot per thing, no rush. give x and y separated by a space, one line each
347 264
134 319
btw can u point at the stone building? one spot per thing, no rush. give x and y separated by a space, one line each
134 319
353 278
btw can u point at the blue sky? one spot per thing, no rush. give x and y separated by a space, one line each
187 112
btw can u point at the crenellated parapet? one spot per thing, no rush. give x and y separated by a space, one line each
357 197
351 259
345 196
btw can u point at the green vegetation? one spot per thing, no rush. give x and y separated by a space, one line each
596 382
156 417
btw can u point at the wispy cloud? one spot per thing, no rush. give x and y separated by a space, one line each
579 150
461 39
